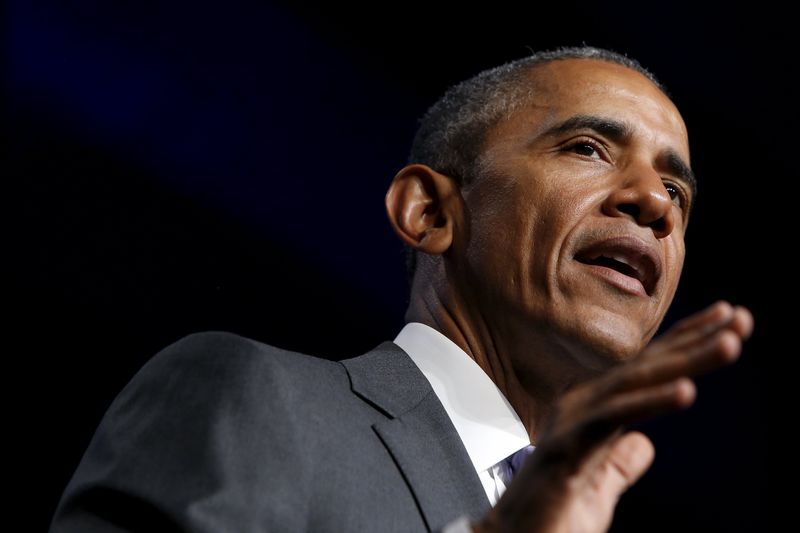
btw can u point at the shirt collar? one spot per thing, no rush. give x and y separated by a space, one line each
487 424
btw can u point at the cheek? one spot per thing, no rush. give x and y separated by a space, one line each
500 238
569 193
673 261
500 234
565 209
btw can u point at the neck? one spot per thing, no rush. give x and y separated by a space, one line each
532 374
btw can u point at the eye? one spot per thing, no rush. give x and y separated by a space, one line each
585 148
677 194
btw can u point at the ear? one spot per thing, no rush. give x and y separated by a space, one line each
423 206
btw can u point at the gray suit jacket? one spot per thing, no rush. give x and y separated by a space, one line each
219 433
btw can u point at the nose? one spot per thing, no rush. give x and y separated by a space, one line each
641 195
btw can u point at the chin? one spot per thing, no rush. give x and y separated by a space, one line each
604 340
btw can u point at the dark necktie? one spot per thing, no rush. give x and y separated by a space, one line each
517 459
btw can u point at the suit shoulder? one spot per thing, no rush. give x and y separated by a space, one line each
231 345
225 355
221 371
209 419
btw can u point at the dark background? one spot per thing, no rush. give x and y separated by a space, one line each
188 166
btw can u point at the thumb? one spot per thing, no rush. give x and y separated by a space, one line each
629 458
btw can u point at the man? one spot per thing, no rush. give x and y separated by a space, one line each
546 203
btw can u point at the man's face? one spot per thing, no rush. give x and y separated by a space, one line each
575 235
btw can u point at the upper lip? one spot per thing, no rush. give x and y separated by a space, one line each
642 258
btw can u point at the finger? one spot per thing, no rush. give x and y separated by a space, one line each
628 459
721 349
716 351
697 327
718 316
742 322
715 312
577 437
632 407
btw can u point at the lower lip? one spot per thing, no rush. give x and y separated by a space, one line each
617 279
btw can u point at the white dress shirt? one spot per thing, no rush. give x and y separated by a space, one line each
487 424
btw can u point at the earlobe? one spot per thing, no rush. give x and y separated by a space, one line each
419 204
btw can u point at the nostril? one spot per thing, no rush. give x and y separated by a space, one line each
630 209
659 226
655 221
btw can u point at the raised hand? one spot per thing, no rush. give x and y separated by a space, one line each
585 459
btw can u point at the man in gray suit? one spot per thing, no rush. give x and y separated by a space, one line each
544 207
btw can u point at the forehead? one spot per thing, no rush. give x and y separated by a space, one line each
564 88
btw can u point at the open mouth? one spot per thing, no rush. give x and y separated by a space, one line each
628 257
614 264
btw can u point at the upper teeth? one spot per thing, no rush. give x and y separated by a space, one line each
622 259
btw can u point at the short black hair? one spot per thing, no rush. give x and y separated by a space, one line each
452 131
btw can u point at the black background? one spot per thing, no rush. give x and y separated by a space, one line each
188 166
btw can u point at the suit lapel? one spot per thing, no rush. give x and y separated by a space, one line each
419 435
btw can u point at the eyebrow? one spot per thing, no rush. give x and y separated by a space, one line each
620 132
613 129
